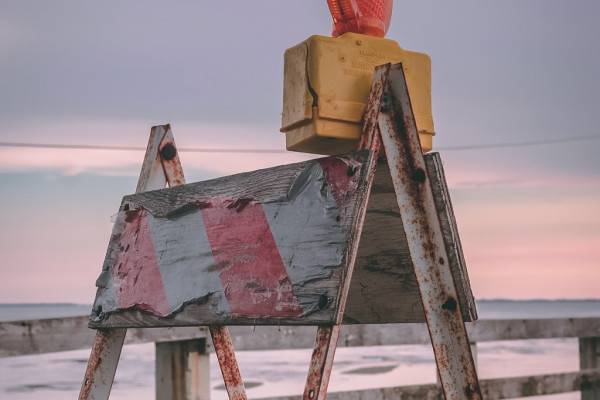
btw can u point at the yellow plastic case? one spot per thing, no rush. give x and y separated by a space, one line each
326 85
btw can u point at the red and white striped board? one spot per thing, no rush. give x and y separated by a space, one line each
268 247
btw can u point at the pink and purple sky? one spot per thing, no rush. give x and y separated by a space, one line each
503 71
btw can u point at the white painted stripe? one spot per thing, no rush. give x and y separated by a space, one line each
186 261
308 221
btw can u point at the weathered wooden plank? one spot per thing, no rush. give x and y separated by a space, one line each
182 370
589 358
64 334
265 247
384 288
493 389
383 282
449 228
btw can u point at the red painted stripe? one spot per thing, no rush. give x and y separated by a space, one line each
253 275
342 177
136 274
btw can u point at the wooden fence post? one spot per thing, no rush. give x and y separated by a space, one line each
182 370
589 358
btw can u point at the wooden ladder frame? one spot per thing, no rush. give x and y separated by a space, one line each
389 124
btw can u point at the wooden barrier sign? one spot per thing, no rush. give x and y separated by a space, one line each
268 247
359 238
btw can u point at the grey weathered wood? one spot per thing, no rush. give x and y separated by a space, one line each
589 358
263 186
182 370
493 389
325 234
64 334
384 286
52 335
448 225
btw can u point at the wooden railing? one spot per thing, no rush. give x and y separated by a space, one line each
182 368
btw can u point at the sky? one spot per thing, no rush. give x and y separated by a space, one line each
104 73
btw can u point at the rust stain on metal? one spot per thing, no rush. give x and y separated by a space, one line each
170 160
327 336
321 363
422 227
168 152
94 364
220 335
228 363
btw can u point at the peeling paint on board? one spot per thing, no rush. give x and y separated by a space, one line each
276 253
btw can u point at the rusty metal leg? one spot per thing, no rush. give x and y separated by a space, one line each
323 354
161 166
423 232
102 364
227 362
173 172
321 362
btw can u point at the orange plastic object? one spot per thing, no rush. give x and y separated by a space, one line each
369 17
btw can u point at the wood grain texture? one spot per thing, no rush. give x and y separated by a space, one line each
19 338
309 210
383 288
589 358
182 370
